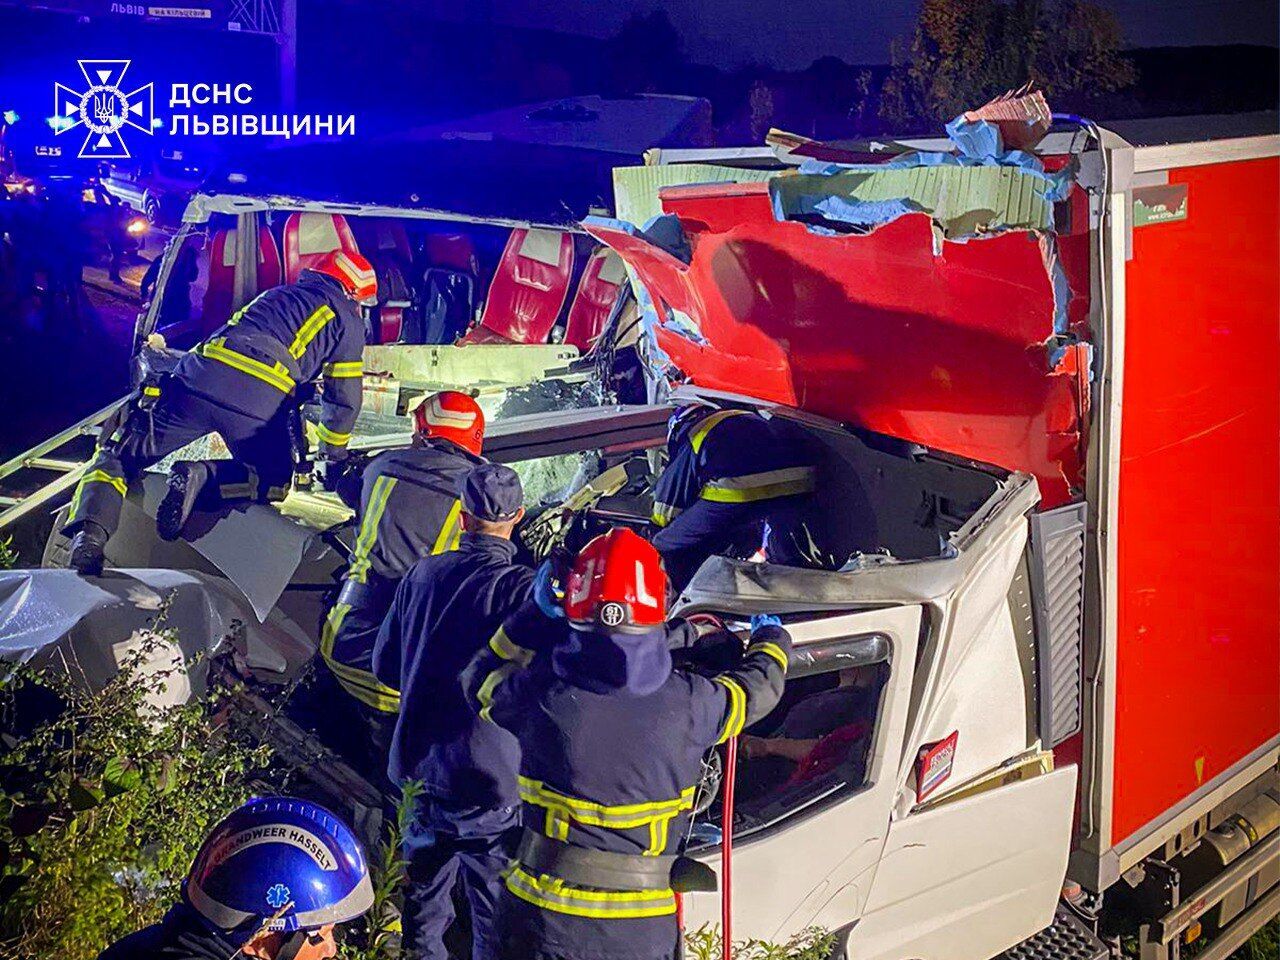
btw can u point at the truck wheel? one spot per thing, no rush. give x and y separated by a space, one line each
151 210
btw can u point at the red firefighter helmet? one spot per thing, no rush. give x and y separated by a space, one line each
354 272
618 583
451 415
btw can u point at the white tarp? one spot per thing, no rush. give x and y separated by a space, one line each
92 623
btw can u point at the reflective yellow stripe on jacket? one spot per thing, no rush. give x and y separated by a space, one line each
307 332
551 893
331 437
563 809
768 485
368 534
347 368
276 375
361 684
699 435
736 718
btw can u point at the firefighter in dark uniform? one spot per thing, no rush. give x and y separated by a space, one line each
409 508
612 739
444 612
240 382
736 481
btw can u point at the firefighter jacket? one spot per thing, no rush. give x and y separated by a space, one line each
733 456
286 337
612 739
409 509
443 614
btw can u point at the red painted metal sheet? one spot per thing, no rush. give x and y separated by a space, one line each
1198 654
947 349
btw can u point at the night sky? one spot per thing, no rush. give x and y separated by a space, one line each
724 32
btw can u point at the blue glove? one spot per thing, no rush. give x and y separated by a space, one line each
544 593
759 620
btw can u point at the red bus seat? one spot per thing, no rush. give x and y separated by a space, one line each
597 293
222 274
528 290
309 236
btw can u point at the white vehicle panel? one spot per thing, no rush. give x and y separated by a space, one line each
971 878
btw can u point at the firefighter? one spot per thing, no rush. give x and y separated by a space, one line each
408 508
612 739
271 881
736 481
240 382
444 612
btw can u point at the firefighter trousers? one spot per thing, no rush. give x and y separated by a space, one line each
140 437
443 850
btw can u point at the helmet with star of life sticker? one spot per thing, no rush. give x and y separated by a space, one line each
617 583
278 864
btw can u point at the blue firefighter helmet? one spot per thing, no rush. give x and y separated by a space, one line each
279 863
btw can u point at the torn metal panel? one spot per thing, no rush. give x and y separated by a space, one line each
954 349
964 200
636 189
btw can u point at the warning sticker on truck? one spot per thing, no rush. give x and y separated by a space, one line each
1162 203
934 764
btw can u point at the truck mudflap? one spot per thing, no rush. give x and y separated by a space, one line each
1067 938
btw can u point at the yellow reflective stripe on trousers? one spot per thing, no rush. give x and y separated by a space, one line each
248 489
346 368
772 649
361 684
508 649
307 332
552 893
450 534
737 717
700 432
96 476
331 437
612 816
368 535
760 486
277 376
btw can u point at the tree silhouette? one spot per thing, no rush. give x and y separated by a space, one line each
962 53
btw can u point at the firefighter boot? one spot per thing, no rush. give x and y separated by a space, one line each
186 479
87 547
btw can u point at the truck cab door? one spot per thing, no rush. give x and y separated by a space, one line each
798 847
981 824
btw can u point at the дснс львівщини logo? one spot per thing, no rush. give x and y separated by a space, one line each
104 109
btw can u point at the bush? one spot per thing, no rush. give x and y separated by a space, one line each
813 943
105 799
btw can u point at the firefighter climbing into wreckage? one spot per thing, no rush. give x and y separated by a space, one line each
612 738
242 382
737 481
408 506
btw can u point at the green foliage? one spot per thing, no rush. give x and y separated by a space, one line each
381 925
105 799
8 555
964 52
1263 945
812 943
